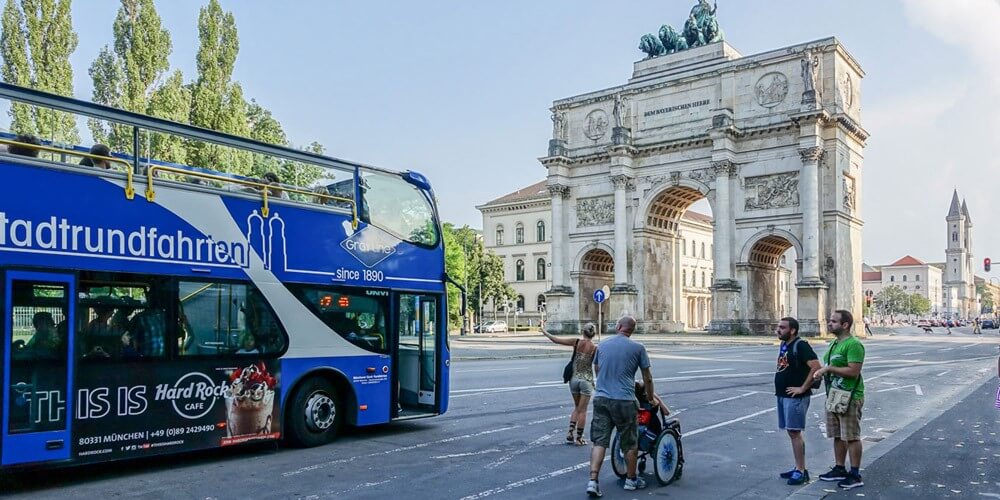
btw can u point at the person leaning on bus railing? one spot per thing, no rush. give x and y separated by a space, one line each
97 150
274 186
24 149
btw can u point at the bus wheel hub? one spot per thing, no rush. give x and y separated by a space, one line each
320 412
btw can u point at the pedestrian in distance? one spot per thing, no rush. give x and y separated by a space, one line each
977 327
845 397
615 404
793 384
868 328
581 382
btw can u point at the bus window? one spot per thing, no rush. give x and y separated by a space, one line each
38 355
357 317
225 318
122 317
400 208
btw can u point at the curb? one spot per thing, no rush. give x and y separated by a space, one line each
816 488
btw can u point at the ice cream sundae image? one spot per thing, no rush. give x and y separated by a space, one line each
250 401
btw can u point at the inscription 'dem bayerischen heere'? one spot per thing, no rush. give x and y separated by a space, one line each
661 111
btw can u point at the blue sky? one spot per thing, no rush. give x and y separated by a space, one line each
460 89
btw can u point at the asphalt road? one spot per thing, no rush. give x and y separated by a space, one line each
503 436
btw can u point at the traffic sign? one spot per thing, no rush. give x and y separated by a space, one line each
599 296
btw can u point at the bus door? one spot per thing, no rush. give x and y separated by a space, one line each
37 398
416 360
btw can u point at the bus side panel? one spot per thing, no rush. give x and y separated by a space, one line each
444 385
142 408
369 377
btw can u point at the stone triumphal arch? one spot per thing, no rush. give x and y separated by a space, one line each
772 141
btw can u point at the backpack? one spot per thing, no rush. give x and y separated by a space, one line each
795 353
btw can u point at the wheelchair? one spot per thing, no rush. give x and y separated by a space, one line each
660 439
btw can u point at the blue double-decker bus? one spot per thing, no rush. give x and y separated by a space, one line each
153 308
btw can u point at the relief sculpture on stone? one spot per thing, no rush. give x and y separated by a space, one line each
595 211
772 191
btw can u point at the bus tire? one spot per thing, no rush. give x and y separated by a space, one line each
316 414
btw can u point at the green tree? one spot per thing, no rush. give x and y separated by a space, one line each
16 69
37 40
892 300
128 74
986 297
455 266
918 305
217 103
171 101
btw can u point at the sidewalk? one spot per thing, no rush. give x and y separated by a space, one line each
955 455
679 338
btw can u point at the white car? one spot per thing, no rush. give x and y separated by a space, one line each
494 327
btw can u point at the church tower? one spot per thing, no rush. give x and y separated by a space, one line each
959 290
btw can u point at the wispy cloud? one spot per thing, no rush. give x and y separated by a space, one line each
973 26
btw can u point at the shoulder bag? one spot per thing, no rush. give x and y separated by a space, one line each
568 371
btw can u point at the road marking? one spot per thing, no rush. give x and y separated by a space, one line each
472 454
544 385
489 370
944 373
916 389
508 457
869 358
699 358
912 353
323 465
530 480
969 345
707 371
947 349
732 398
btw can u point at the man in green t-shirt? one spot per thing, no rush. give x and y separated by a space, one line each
842 370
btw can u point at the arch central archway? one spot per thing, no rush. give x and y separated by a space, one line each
596 269
674 261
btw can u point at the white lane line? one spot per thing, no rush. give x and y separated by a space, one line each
912 353
323 465
717 401
727 422
545 385
944 373
472 454
699 358
707 371
969 345
947 349
869 358
530 480
459 372
506 458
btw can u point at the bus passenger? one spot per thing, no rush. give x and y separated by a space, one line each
148 329
271 179
95 335
24 149
97 150
45 342
248 344
128 350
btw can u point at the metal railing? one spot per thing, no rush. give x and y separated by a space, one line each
129 189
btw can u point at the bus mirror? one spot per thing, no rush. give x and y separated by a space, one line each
417 180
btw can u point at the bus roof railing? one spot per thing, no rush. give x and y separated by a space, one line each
76 106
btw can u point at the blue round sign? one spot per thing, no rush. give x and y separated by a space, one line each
599 296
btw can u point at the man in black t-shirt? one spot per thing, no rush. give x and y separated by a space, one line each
793 386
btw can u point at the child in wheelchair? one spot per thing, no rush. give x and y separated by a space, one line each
659 440
648 419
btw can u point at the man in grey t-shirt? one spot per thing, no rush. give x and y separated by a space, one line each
615 406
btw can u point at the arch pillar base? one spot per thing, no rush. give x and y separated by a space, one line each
624 300
560 311
812 309
726 310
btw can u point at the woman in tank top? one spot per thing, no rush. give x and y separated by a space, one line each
581 386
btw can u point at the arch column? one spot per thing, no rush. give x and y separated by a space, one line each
624 294
725 289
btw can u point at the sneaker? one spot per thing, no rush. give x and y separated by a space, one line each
851 481
594 489
798 478
635 484
837 473
786 475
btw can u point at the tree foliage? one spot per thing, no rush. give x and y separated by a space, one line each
36 44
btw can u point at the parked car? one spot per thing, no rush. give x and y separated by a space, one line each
494 327
989 324
924 323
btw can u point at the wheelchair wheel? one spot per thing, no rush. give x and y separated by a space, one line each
617 457
668 457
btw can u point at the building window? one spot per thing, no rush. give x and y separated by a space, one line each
519 270
703 249
954 236
520 303
540 269
540 303
684 246
918 277
904 277
540 231
684 277
918 287
703 276
892 278
499 236
694 249
518 234
693 278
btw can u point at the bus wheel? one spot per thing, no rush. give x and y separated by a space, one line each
315 415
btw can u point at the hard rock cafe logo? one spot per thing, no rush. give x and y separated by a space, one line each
193 395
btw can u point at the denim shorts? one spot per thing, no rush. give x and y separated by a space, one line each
581 386
792 413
